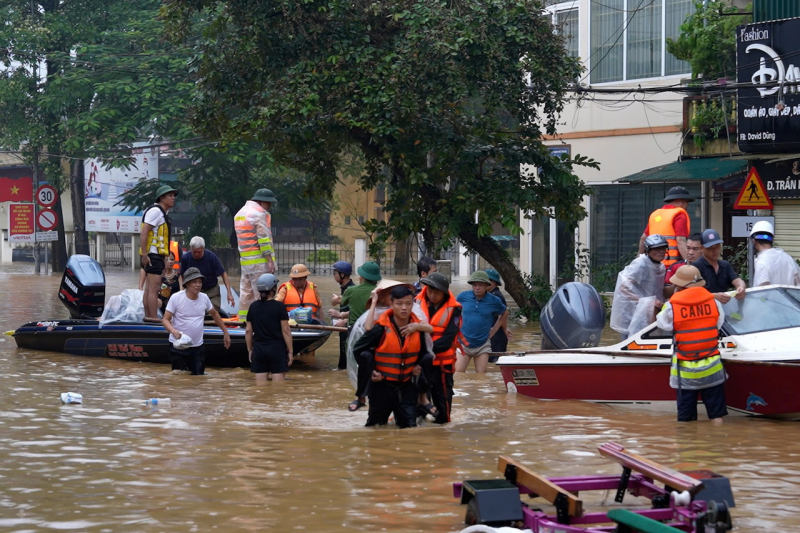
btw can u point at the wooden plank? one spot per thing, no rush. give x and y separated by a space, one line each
541 486
651 469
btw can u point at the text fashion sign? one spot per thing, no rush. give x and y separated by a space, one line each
769 112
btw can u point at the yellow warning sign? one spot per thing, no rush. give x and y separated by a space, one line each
753 194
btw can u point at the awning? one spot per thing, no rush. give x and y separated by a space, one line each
703 169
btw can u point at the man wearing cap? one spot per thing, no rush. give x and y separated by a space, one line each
773 265
183 319
694 251
256 254
695 318
444 315
479 309
211 267
154 243
503 335
671 221
342 270
718 274
299 292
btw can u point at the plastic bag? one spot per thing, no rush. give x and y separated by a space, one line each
643 315
125 307
640 279
302 315
358 330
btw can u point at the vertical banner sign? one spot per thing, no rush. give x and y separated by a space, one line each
104 187
768 57
21 223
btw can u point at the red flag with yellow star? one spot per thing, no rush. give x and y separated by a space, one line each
16 189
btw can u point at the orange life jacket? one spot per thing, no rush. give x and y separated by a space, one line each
661 223
393 358
440 320
293 299
695 316
175 250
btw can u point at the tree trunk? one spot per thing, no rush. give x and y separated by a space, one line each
514 283
77 193
59 259
401 256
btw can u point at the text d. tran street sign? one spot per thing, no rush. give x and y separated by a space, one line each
753 194
46 220
46 196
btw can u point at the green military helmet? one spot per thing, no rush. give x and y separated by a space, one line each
264 195
165 189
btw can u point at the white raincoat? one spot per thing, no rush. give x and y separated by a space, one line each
642 278
775 267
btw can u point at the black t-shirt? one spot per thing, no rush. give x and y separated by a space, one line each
720 281
266 317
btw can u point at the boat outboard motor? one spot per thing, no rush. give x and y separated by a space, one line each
573 318
83 287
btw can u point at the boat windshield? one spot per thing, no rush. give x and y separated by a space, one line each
765 310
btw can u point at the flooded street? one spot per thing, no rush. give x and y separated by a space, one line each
227 455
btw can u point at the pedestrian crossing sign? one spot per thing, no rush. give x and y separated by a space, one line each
753 194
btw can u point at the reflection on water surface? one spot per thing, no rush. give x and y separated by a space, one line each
228 455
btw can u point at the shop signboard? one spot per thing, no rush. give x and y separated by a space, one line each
781 179
104 188
768 64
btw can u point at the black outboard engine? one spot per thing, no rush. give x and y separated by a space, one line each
573 318
83 287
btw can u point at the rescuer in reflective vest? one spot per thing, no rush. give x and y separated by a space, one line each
154 245
671 221
299 292
695 318
256 253
444 315
395 349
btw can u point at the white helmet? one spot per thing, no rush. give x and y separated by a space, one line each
763 231
266 282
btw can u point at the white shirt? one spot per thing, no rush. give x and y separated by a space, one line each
188 315
775 267
155 218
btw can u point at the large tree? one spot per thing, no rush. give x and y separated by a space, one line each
445 102
86 78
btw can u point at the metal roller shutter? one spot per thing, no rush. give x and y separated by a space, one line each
787 226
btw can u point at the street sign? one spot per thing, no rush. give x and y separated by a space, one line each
46 236
742 226
46 195
46 220
753 194
20 222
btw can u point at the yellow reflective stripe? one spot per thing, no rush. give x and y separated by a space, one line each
264 240
250 253
256 261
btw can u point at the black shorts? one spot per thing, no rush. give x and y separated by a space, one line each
269 358
192 359
713 399
156 265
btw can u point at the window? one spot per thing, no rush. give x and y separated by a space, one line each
628 38
565 22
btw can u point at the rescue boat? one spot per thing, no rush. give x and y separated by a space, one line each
82 291
758 345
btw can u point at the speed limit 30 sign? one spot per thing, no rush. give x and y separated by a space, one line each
46 196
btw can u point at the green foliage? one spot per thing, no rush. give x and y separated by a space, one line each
710 119
218 240
537 289
322 256
708 39
737 257
444 103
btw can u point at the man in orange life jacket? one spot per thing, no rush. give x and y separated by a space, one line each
671 221
399 354
444 315
695 317
299 292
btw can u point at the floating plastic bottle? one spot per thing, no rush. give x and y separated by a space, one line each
71 397
157 401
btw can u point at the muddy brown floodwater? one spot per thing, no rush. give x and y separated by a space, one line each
228 455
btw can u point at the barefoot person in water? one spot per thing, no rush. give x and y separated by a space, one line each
268 337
